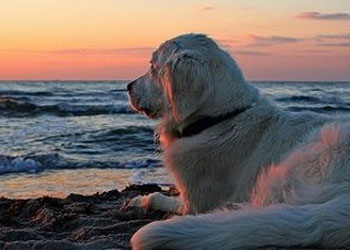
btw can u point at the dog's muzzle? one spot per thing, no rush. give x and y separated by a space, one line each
134 101
132 98
129 86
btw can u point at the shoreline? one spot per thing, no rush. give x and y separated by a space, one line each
59 183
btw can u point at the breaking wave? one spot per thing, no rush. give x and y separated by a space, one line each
10 106
41 162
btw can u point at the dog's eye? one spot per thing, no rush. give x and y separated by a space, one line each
153 69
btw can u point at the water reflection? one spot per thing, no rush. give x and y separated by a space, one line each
60 183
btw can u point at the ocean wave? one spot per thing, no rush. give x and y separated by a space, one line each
111 142
117 90
15 107
323 109
305 99
25 93
317 90
127 130
105 135
299 98
38 163
10 105
139 137
65 109
31 163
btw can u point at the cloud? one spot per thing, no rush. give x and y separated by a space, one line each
250 53
312 51
334 36
227 41
318 16
345 44
331 40
209 7
272 40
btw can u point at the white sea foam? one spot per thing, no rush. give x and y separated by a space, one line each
19 164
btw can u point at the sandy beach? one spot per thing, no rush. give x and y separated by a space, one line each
78 222
98 221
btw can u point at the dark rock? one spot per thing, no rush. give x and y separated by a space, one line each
81 198
143 189
110 195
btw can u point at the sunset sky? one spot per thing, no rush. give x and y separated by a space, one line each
113 39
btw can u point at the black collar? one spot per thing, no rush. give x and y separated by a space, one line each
208 121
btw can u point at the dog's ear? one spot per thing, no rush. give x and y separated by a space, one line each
186 83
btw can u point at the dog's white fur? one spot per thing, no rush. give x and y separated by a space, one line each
292 168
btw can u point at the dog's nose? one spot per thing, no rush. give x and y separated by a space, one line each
129 86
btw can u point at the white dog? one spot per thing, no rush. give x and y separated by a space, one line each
224 142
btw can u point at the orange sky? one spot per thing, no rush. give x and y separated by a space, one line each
113 39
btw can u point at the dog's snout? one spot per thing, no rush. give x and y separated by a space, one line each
129 86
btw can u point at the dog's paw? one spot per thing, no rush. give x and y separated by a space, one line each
139 202
155 201
146 202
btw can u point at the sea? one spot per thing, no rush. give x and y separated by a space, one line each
62 137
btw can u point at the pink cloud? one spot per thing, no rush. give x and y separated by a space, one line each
272 40
250 53
334 36
318 16
345 44
226 41
209 7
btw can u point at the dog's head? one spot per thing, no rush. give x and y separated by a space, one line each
190 77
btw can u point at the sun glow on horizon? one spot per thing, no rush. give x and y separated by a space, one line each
113 39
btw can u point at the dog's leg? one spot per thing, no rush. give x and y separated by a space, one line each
158 201
324 225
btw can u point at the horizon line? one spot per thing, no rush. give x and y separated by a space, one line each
127 80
